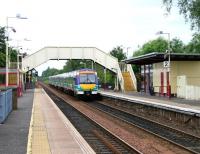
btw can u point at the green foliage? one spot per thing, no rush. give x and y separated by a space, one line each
190 10
158 45
2 59
2 36
50 71
46 81
110 76
118 53
161 45
72 65
177 45
135 68
12 52
194 45
13 55
2 47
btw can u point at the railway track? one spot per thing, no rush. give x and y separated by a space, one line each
99 138
184 140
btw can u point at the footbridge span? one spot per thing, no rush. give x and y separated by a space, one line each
66 53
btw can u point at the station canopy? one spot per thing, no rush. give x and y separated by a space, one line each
156 57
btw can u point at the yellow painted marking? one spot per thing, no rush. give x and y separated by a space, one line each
37 138
87 86
87 72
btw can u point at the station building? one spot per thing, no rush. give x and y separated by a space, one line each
181 78
15 80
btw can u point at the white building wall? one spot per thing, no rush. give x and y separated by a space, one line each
189 70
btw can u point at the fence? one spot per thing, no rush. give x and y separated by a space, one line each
5 104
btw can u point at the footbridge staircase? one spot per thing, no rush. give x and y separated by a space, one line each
91 53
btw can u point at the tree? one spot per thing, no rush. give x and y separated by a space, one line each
2 47
72 65
12 52
177 45
158 45
161 45
190 10
118 53
194 45
49 72
2 59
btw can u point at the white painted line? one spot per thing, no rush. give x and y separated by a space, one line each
150 102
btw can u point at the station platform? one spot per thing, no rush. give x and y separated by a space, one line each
174 104
14 131
42 128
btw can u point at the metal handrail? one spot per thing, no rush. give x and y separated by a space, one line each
130 70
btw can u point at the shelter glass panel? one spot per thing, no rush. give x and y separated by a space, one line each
2 79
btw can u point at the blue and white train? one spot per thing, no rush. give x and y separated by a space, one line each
80 82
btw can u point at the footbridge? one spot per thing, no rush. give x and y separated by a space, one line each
91 53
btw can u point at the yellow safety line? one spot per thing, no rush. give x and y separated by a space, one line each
37 138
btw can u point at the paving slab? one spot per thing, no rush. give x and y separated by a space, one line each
175 103
14 131
56 134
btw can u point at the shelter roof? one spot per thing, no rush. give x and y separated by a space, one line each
156 57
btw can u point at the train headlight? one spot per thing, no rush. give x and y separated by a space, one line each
79 87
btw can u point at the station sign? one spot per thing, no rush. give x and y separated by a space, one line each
166 64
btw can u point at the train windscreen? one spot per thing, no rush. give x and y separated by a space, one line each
87 78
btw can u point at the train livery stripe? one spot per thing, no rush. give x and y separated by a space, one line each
87 86
86 72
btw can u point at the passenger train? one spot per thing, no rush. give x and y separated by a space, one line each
79 82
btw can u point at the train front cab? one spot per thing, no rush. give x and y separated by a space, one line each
87 84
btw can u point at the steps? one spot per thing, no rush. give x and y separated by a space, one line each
128 83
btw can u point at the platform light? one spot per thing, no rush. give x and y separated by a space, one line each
18 16
168 51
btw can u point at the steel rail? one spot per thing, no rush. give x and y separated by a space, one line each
100 138
191 145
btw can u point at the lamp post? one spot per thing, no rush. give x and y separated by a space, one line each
168 52
20 77
7 60
18 62
127 52
127 48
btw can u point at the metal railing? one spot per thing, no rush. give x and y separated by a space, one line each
130 70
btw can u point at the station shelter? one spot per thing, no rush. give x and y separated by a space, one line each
30 78
15 80
179 76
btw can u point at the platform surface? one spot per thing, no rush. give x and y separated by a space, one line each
14 131
50 131
160 101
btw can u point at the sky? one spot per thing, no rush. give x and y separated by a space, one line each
104 24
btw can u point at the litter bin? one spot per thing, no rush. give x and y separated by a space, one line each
14 98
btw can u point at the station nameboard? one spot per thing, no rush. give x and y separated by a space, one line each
166 64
